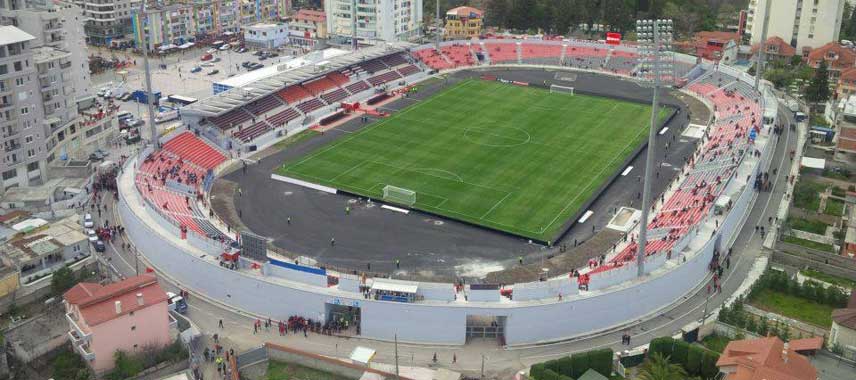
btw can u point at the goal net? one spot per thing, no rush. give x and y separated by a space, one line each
399 195
561 89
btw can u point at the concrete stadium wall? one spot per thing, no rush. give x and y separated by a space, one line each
436 322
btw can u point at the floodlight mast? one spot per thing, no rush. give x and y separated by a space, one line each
655 39
150 98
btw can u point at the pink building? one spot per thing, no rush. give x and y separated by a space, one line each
127 315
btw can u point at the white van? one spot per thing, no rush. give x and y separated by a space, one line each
87 221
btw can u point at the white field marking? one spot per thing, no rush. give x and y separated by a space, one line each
593 177
494 206
420 170
348 171
517 142
664 130
626 171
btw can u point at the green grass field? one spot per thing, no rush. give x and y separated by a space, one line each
516 159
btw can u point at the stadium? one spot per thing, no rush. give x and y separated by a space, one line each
479 151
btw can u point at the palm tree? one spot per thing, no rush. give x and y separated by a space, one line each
657 367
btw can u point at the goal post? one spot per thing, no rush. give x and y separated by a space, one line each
554 88
399 195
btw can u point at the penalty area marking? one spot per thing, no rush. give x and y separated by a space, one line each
626 171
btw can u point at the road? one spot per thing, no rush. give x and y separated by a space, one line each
499 362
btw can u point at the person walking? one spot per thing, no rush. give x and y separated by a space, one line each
332 242
220 324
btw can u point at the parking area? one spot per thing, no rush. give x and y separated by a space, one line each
173 74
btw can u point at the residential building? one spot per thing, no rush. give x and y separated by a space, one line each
107 22
804 24
463 22
376 20
266 35
123 316
312 23
38 254
775 49
842 335
714 46
763 358
837 56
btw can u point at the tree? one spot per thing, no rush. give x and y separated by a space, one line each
818 88
68 365
658 367
848 24
62 280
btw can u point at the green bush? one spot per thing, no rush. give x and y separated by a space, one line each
70 366
694 357
564 366
601 361
125 366
708 365
579 364
679 353
662 345
537 371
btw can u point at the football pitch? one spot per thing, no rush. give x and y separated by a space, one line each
516 159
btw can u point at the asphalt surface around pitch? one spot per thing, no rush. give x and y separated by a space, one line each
430 247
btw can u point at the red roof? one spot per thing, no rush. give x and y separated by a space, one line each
310 15
807 344
784 48
837 56
465 12
765 358
97 303
845 317
847 145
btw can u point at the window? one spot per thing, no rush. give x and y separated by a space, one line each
25 110
32 166
19 82
28 139
18 66
134 328
9 174
31 152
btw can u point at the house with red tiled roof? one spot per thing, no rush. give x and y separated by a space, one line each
843 331
838 58
775 49
312 23
712 45
128 315
764 359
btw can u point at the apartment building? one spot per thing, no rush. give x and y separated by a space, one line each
804 24
128 315
463 22
46 76
310 22
376 20
107 21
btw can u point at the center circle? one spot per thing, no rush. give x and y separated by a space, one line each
497 137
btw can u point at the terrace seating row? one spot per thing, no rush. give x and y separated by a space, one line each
189 147
373 66
283 117
310 105
259 107
357 87
231 118
293 94
256 130
319 86
502 52
388 76
528 51
394 60
335 95
408 70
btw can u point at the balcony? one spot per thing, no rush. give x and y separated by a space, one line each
85 351
76 333
65 65
12 147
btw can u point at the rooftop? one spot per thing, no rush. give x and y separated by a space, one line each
310 15
46 53
837 56
97 303
465 12
26 250
11 35
765 359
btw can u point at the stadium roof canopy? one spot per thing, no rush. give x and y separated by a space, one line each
235 97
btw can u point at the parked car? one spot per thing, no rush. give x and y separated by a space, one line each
211 51
225 47
125 97
258 53
91 235
196 69
96 156
99 246
246 64
207 64
273 54
176 303
263 57
207 57
217 59
214 72
242 50
87 221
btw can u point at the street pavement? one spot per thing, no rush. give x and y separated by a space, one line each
498 362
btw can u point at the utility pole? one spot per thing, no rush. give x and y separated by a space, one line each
437 29
761 56
150 98
652 46
397 376
482 367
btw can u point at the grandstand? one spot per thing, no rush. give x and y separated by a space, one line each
606 294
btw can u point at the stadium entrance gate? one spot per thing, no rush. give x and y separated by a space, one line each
488 327
344 314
